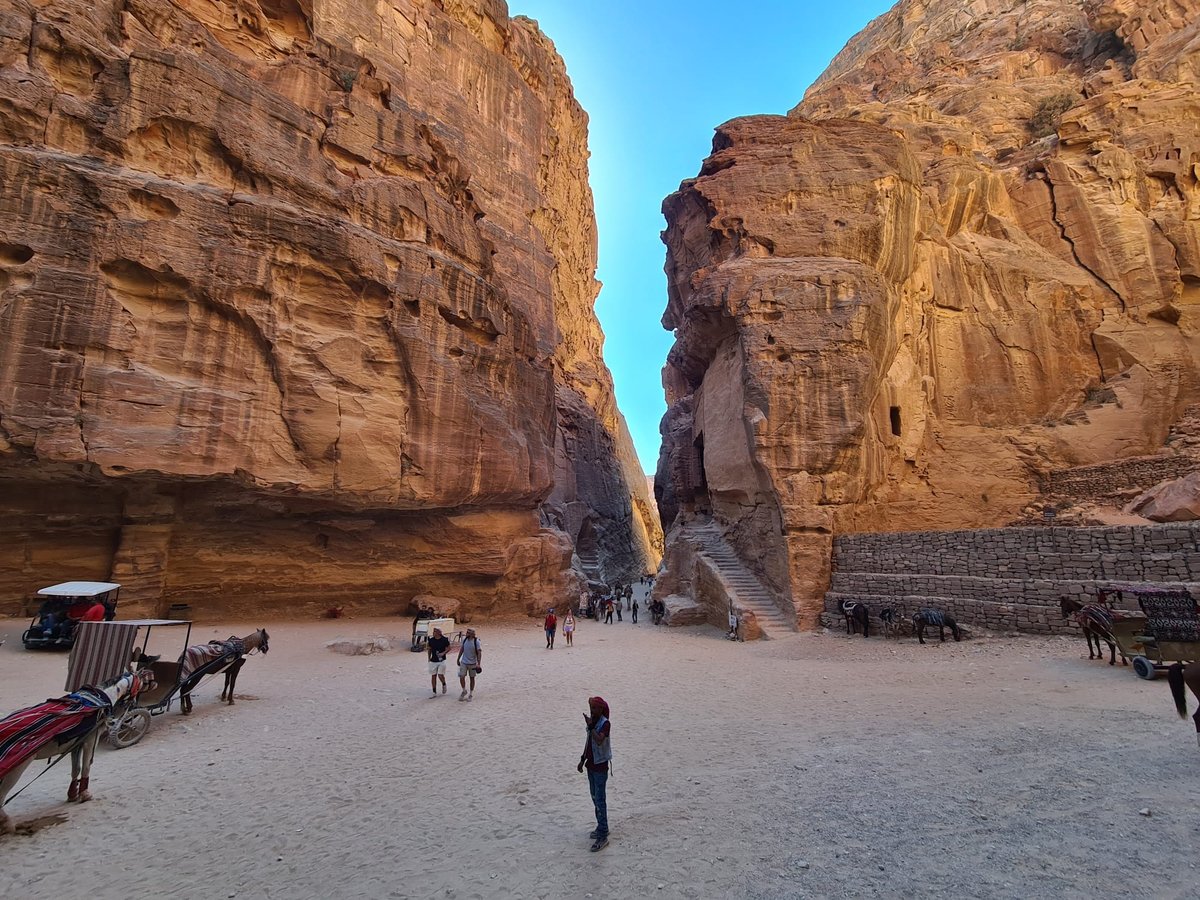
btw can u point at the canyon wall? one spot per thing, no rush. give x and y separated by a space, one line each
968 259
296 298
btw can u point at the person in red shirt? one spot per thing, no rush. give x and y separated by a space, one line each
551 626
94 613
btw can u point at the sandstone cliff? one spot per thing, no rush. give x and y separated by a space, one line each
968 259
296 298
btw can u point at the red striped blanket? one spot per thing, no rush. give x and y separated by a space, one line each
27 730
202 654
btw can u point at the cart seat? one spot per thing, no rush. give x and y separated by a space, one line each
1172 617
166 674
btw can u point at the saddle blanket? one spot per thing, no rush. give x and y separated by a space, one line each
202 654
27 730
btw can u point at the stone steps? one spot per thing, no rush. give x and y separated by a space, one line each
749 594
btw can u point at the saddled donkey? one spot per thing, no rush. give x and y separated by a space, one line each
857 616
71 724
228 656
935 617
1096 622
1179 676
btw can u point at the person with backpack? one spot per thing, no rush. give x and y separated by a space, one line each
470 660
597 757
551 626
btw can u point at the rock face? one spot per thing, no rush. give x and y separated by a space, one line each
296 298
969 258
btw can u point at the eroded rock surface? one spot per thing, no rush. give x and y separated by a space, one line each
296 298
969 258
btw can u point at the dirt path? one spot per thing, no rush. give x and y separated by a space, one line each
814 766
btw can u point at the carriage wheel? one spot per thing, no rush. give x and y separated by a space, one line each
129 729
1144 668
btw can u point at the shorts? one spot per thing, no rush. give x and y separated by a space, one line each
437 668
464 671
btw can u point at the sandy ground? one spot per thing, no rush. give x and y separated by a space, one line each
817 765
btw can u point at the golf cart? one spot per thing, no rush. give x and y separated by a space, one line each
64 605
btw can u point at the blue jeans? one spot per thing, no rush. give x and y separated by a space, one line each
598 784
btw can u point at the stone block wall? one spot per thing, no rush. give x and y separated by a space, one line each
1116 478
1009 578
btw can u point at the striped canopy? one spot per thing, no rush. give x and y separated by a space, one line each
101 652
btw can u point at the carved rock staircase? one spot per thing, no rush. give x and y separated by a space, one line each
748 593
589 560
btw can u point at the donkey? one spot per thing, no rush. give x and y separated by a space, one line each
1096 622
927 617
1179 676
228 656
892 618
71 724
857 616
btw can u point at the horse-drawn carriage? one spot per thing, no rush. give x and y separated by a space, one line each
103 649
64 607
1168 631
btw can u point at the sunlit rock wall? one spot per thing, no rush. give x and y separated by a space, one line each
291 294
968 258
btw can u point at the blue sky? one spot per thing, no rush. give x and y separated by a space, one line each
656 77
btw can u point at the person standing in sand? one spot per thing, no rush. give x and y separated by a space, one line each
551 626
470 659
569 629
439 646
597 756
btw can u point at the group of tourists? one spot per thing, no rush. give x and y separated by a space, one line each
551 625
469 662
614 600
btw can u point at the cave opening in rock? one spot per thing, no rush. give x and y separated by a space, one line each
895 416
700 497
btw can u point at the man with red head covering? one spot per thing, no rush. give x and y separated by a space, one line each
597 756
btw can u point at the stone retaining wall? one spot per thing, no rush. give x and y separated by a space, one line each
1116 478
1009 578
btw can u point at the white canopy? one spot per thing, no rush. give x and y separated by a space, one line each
78 589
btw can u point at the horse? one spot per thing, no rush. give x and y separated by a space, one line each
1096 621
1179 676
893 620
857 616
927 616
70 724
202 660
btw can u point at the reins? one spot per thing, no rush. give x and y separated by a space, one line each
49 766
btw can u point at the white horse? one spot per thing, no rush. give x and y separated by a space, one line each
70 724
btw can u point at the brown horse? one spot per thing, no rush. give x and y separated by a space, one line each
1096 622
1179 676
202 660
70 724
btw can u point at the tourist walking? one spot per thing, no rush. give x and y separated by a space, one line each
439 647
597 758
733 624
470 658
569 629
551 626
618 604
608 610
635 610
